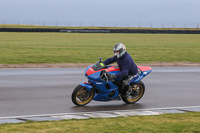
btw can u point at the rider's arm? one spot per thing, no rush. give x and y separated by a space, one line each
110 60
124 71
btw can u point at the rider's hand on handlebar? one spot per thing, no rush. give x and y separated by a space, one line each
111 76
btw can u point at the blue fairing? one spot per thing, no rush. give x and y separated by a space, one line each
141 76
104 88
95 77
87 85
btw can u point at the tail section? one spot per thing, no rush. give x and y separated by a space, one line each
143 71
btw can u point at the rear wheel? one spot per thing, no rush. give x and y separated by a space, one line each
135 94
82 96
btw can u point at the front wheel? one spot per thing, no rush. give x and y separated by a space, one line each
135 94
82 96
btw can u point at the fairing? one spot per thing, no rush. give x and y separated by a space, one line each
103 88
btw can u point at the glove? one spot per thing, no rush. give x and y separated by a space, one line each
111 76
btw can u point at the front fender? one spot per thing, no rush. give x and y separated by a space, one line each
86 85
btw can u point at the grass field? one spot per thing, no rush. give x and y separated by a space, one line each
167 123
26 48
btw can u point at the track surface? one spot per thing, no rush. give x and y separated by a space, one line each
48 91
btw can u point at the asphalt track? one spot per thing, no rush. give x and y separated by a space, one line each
48 91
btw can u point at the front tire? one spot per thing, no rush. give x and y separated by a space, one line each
82 96
136 93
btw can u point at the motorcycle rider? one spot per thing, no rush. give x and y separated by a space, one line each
129 70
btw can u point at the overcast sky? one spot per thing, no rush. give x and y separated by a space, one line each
132 13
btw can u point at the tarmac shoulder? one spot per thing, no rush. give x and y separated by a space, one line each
98 114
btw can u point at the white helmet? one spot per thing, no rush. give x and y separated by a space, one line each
119 50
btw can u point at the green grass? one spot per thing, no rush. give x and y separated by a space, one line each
167 123
23 48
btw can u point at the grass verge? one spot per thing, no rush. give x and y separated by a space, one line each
27 48
166 123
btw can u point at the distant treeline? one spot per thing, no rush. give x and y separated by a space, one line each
160 31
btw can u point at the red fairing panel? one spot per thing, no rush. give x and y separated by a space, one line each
144 68
91 71
110 69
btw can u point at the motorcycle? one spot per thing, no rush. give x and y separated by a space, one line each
100 88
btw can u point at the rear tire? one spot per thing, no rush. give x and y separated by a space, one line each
136 93
82 96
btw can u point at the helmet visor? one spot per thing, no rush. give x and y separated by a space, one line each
116 53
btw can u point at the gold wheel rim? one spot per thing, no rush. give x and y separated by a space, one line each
80 92
140 90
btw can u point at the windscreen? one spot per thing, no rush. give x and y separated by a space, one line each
98 66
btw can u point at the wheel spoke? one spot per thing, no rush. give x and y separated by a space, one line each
136 93
84 96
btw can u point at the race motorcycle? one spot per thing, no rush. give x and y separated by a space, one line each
100 88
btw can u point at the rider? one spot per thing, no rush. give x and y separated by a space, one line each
129 70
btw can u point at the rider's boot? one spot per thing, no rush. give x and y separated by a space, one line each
126 89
